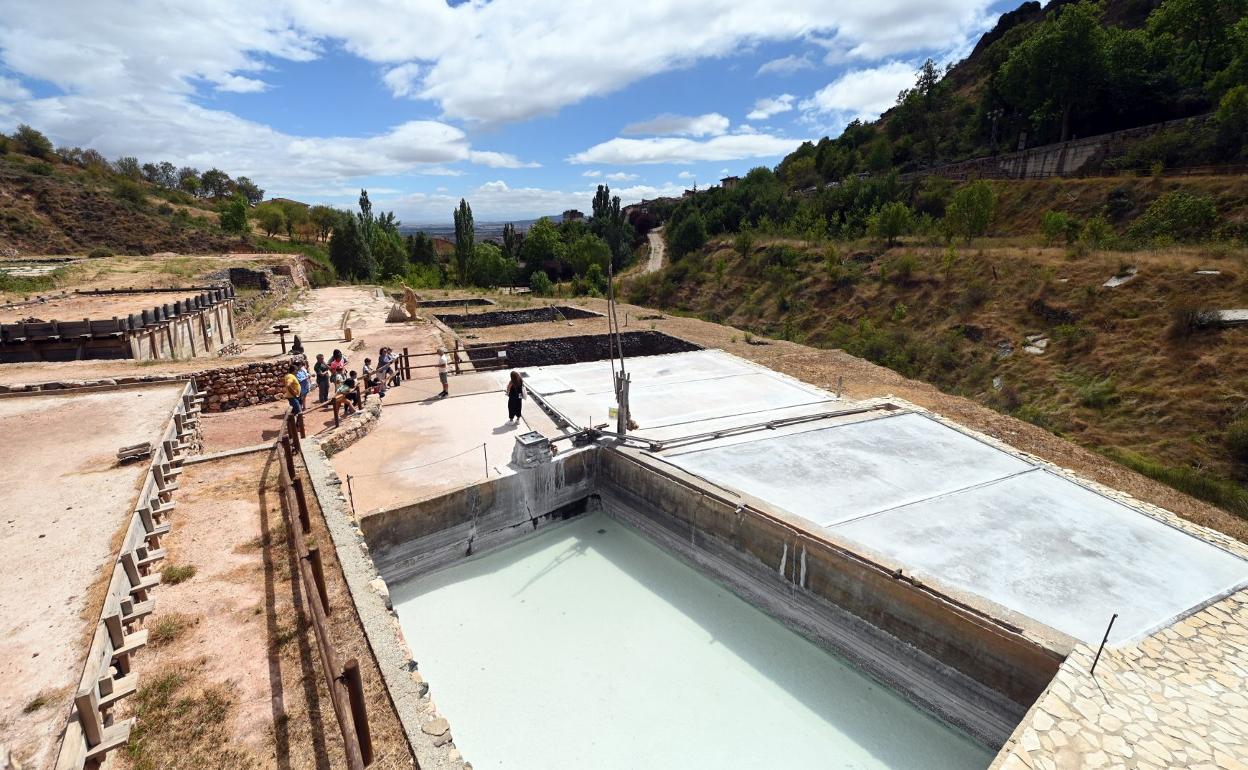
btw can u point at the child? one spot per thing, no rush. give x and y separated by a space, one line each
443 372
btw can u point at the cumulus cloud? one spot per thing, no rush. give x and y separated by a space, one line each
498 201
861 94
671 149
592 173
10 88
710 124
620 176
685 175
766 107
403 80
787 65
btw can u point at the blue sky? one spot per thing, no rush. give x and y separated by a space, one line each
521 106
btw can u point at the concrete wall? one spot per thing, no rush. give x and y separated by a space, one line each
190 335
822 579
430 533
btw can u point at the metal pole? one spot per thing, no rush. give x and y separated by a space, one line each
485 452
1095 660
351 494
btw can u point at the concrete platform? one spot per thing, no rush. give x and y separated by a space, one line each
63 499
959 513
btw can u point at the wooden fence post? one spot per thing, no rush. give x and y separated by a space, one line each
304 520
359 715
318 577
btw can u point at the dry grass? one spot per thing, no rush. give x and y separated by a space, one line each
168 628
183 723
177 573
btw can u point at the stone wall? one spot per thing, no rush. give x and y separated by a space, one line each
352 429
230 387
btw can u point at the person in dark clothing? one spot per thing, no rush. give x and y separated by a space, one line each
321 369
515 396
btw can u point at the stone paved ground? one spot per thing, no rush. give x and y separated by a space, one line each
1177 699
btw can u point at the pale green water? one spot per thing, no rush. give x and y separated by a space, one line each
590 647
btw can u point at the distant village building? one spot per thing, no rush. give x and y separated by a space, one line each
688 193
572 215
729 182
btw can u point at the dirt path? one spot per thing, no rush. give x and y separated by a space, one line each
231 677
656 251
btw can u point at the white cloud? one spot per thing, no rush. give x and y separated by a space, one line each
685 175
403 80
710 124
592 173
238 84
497 201
861 94
767 106
620 176
10 88
787 65
500 160
621 152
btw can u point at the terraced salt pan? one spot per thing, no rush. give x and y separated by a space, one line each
588 646
957 512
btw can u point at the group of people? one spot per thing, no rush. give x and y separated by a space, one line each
336 382
334 375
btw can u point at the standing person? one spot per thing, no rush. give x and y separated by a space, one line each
515 396
305 380
292 390
393 367
321 369
444 372
337 361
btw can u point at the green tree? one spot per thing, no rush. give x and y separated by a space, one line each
540 285
1232 120
420 249
324 218
249 190
214 183
349 252
234 218
298 218
28 141
489 268
128 166
688 234
970 211
511 242
1204 24
188 180
271 218
892 220
588 250
542 245
610 225
465 238
1059 69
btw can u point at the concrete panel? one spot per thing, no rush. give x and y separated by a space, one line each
1059 553
839 473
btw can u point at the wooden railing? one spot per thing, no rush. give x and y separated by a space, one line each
343 681
108 676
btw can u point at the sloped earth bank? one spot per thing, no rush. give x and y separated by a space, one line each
231 677
580 349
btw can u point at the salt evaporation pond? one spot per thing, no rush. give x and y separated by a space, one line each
589 646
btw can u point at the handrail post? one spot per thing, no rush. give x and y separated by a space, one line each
359 714
318 576
305 521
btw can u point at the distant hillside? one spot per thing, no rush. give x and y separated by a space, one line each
1069 69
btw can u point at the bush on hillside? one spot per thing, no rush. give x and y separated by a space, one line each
970 211
1177 215
891 221
1232 120
1097 233
129 191
540 285
28 141
1058 227
1237 439
689 234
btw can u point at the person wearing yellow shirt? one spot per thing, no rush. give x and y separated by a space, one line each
292 389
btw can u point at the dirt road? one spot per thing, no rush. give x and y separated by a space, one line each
656 251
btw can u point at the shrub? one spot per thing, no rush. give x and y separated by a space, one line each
1058 227
970 211
177 573
1119 203
900 270
689 234
540 285
1237 439
1232 120
1097 394
744 242
28 141
129 191
1178 215
890 221
100 252
1097 233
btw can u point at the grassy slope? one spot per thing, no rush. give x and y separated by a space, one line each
1113 377
55 208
